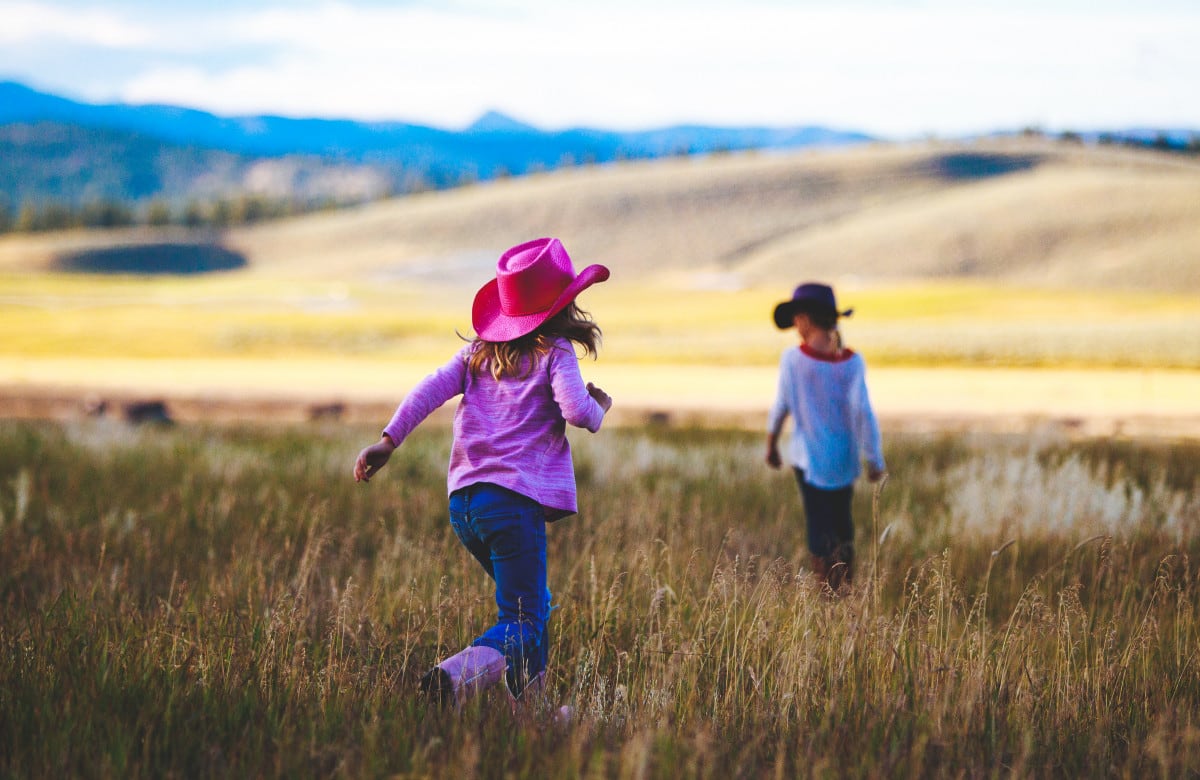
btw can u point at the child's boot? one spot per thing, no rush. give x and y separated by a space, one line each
820 565
531 697
839 576
533 702
454 680
841 569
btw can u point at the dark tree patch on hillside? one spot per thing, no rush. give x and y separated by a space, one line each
960 166
157 259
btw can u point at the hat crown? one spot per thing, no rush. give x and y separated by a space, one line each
811 297
531 276
819 294
533 282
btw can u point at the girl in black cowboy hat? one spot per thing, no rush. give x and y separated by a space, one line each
822 386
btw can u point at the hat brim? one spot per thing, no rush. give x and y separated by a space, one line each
492 324
785 313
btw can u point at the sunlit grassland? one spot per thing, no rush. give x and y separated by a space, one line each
228 602
237 317
995 254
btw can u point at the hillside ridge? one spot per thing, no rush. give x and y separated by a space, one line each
1037 213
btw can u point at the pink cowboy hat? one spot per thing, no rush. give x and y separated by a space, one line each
534 281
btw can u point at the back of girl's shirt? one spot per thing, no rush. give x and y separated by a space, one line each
835 426
510 432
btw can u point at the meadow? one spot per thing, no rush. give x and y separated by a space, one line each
223 600
983 258
930 322
226 601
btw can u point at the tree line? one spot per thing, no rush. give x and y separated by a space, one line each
50 215
1161 142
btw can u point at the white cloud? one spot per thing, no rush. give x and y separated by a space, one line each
886 67
24 22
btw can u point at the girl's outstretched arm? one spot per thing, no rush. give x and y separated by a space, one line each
430 393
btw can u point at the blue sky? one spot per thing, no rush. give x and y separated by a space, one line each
899 69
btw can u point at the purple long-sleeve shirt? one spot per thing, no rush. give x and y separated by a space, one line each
509 432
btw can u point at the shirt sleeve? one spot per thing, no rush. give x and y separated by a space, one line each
570 393
870 442
779 409
429 394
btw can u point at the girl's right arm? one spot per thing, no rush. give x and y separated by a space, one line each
430 393
373 458
778 414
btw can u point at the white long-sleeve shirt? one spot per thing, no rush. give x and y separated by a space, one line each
834 427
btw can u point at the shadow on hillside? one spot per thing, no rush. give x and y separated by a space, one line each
166 259
961 166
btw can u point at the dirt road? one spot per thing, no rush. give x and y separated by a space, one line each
1101 402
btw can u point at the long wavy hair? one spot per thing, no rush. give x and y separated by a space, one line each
516 358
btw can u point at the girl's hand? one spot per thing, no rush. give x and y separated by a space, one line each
773 459
372 459
874 474
602 398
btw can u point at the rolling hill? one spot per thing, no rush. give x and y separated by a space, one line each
998 278
1038 213
1043 214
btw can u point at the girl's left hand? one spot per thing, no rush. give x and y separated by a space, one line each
602 398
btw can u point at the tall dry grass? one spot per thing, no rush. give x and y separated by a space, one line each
228 602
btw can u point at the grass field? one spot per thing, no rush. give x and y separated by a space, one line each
987 257
938 324
225 601
1002 356
202 601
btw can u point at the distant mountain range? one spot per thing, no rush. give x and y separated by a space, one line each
53 148
60 154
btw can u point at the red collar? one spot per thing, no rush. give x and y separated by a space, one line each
841 357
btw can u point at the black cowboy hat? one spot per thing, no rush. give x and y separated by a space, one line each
808 297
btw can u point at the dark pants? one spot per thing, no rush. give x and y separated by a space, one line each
506 532
830 527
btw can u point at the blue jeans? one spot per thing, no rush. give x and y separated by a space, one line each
506 532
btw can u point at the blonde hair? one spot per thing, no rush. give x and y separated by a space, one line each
516 358
827 320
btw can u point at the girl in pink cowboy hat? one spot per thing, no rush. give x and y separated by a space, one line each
510 464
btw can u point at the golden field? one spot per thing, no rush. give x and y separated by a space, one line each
227 601
224 600
1079 267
